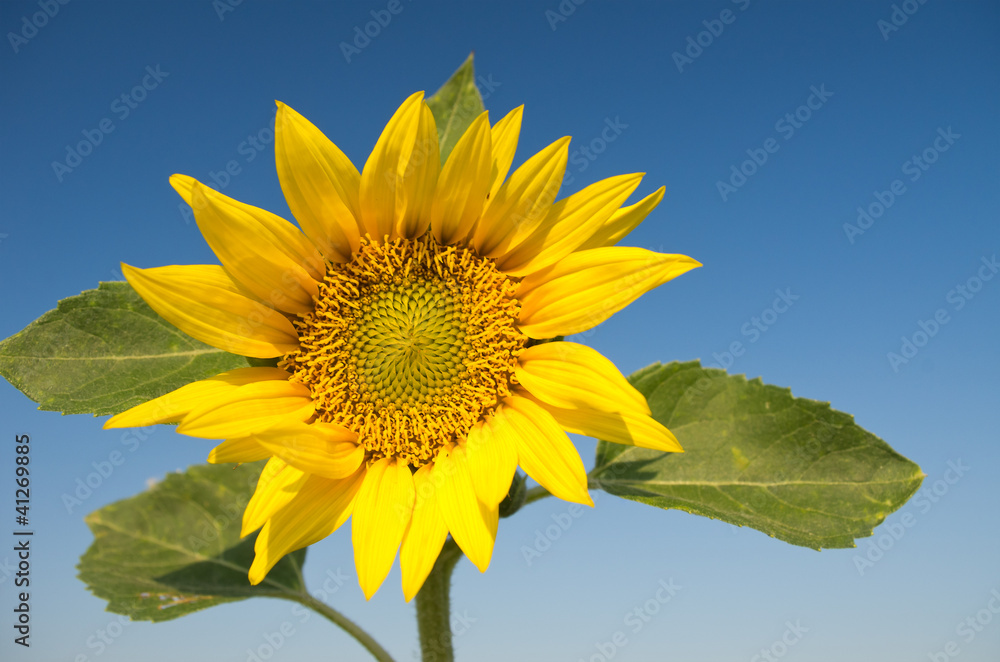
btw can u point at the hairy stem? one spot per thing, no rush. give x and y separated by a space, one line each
434 607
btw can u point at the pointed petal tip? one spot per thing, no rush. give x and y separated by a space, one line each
415 97
365 589
185 185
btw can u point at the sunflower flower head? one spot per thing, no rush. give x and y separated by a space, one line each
403 317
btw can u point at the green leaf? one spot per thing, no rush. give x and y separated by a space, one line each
103 351
455 105
756 456
176 548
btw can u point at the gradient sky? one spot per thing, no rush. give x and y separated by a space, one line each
885 97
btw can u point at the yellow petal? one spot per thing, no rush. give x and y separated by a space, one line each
397 184
249 409
420 177
543 449
568 224
523 202
320 184
504 137
588 287
463 185
566 374
318 509
623 221
472 523
627 427
277 486
205 303
173 406
424 536
381 515
240 449
264 253
492 460
318 448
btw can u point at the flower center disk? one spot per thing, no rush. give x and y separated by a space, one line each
410 344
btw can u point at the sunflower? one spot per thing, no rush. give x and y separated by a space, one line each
405 325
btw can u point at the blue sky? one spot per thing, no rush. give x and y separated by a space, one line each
849 112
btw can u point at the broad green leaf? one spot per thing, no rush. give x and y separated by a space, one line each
176 548
756 456
455 105
103 351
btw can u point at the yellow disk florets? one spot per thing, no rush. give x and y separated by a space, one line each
410 344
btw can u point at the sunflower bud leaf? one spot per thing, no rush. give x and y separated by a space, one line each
455 105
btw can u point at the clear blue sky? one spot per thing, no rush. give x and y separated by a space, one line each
880 97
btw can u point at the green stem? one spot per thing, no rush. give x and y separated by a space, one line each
434 607
535 494
344 623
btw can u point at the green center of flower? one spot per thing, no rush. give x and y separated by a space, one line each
410 344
